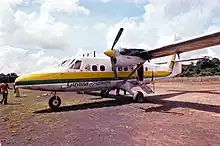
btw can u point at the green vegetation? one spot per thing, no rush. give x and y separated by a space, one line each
9 78
203 67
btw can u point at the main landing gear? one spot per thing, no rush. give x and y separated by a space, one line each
104 93
138 97
54 101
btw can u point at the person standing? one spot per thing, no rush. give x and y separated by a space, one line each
4 90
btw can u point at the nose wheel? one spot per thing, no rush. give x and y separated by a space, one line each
54 102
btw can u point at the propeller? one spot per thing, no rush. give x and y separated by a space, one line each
111 53
117 37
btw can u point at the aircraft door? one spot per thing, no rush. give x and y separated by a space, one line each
140 73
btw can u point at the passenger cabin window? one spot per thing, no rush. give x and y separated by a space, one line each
102 68
77 64
146 69
119 68
125 69
94 68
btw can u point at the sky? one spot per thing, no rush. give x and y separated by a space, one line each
36 34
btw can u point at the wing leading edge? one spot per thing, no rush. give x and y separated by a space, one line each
186 45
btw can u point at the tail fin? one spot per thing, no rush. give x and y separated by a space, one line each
172 62
175 67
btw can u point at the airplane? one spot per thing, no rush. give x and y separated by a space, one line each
125 69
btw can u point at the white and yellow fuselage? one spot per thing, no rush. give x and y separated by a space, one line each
90 74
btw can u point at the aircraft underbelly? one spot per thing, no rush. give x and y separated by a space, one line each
73 86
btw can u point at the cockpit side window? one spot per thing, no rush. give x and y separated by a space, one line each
63 62
77 64
71 63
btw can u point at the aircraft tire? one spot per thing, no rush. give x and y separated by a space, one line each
54 102
138 97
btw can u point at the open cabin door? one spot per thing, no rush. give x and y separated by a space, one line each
140 73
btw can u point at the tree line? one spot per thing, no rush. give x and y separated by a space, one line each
9 78
203 67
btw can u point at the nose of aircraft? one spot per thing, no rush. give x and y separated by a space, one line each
110 53
40 77
30 79
23 80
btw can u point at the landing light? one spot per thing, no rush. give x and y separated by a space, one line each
110 53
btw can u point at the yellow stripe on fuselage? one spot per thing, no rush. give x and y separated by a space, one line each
84 75
63 76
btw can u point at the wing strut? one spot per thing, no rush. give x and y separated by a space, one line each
138 66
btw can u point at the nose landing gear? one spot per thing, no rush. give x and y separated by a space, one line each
54 102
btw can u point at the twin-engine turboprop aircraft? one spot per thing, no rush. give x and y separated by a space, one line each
126 68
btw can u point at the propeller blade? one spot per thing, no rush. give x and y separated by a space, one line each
111 53
117 37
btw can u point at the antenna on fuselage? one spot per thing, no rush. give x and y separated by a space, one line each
94 53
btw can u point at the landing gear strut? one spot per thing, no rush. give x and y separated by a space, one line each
54 102
104 93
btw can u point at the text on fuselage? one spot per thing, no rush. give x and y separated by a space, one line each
89 84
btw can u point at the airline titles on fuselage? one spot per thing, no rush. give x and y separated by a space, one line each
88 84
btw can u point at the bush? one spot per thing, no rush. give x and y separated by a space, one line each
9 78
203 67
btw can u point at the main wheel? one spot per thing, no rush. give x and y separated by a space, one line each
139 97
54 102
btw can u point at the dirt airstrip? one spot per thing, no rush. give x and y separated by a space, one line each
180 113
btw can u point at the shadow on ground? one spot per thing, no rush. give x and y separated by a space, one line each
119 100
166 105
198 91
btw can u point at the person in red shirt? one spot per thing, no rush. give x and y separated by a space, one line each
4 90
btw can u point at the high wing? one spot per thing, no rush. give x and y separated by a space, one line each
185 60
186 45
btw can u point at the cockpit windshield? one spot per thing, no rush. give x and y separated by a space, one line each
67 62
71 64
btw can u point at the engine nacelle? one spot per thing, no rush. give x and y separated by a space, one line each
131 57
124 60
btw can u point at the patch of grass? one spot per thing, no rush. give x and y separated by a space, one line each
20 111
